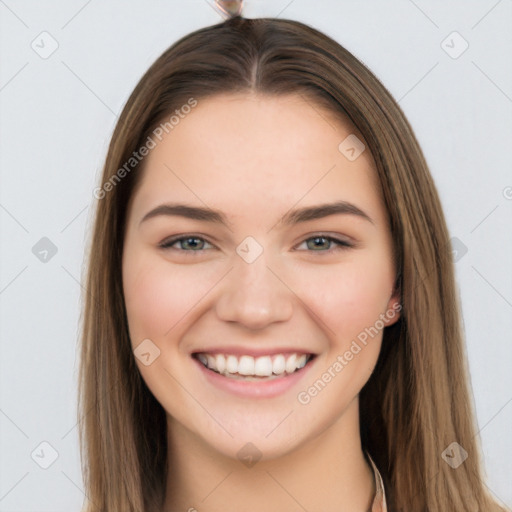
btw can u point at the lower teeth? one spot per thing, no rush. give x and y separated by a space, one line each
237 376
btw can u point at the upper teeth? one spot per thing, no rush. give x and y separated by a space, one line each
263 366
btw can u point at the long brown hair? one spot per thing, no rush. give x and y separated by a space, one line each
417 400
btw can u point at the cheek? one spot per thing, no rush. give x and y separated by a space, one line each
348 297
159 295
348 300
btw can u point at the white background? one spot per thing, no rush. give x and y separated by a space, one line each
58 113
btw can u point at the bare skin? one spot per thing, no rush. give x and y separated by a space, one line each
255 158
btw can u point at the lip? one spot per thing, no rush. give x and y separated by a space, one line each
255 389
254 352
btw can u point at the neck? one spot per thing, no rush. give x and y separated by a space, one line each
328 473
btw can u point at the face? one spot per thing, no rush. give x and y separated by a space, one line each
264 284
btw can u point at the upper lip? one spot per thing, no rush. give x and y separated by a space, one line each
254 352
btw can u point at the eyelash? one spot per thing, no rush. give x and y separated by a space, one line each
341 244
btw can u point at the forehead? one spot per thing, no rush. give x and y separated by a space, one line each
238 149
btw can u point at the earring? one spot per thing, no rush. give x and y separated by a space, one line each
230 8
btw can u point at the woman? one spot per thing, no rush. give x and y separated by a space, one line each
271 319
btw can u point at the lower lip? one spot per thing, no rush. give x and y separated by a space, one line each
254 389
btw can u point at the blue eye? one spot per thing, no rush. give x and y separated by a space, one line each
196 243
191 241
321 241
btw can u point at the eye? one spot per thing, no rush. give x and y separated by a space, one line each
189 243
321 243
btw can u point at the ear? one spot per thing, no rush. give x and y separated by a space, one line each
393 309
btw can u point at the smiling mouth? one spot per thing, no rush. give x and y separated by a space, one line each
249 368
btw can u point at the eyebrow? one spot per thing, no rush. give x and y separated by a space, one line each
296 216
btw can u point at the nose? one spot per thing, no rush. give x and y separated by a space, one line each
254 295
